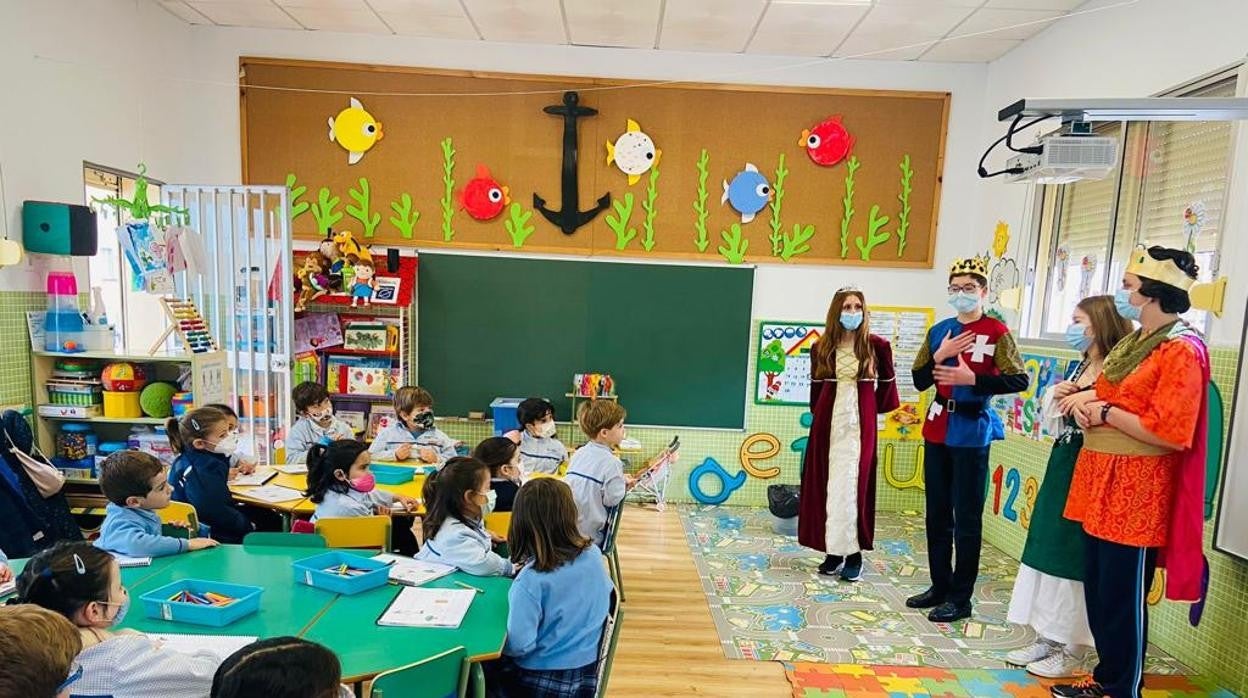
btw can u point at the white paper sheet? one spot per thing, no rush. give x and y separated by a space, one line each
405 570
420 607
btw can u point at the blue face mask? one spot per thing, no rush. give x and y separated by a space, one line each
1122 302
964 302
851 320
1076 338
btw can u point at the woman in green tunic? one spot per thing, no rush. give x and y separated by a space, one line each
1048 591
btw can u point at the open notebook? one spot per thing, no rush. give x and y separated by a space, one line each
422 607
257 478
405 570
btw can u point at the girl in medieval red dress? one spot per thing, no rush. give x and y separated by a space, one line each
852 382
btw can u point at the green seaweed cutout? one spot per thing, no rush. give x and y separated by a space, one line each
736 244
847 204
405 215
875 236
652 194
517 225
795 245
619 222
448 180
360 211
903 216
324 210
699 206
139 208
297 207
777 237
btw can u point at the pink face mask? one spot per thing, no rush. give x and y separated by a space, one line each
364 483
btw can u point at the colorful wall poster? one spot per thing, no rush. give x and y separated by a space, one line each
1021 411
906 329
782 364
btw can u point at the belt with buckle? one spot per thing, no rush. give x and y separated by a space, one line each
966 409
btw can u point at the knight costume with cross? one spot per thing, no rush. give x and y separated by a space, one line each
969 358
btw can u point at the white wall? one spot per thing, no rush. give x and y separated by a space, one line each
86 81
796 292
1137 50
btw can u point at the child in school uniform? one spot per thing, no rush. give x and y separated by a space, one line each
38 647
135 485
457 500
540 451
201 472
414 436
317 423
502 455
558 603
341 485
280 667
83 583
595 474
240 462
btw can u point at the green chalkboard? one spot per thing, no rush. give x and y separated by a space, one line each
674 338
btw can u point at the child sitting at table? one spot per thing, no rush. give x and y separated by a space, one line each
414 434
83 583
595 474
317 423
280 667
201 472
38 647
240 461
135 484
502 455
559 601
457 499
540 451
340 483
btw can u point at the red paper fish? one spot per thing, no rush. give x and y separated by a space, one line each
482 197
828 143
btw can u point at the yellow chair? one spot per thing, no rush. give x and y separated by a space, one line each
180 512
356 532
499 522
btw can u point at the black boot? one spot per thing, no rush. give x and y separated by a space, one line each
830 565
852 571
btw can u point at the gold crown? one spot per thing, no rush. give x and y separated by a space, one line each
1165 271
970 265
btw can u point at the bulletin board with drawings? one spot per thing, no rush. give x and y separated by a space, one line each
783 366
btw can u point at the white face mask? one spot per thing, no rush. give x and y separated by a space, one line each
227 445
491 500
546 430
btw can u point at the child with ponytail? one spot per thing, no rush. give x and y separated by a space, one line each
200 476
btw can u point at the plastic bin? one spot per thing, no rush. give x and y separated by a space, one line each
156 603
505 418
393 474
311 571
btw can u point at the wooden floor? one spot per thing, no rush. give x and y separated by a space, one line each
668 644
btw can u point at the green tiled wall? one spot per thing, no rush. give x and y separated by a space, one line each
15 345
1216 646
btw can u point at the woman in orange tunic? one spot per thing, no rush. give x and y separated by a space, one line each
1140 424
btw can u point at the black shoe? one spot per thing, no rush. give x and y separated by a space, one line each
927 599
852 571
949 612
830 565
1083 688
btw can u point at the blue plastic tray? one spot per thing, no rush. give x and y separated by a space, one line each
393 474
311 571
156 603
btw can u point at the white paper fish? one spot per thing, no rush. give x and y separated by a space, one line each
633 152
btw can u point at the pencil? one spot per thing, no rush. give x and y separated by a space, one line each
469 586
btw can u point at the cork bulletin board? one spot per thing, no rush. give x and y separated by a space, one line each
871 204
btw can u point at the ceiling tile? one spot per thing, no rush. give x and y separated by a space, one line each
434 26
912 22
184 12
920 4
804 29
1060 5
361 20
709 25
626 23
1007 24
325 4
244 14
975 50
883 47
536 21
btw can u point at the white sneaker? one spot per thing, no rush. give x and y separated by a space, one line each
1059 665
1042 649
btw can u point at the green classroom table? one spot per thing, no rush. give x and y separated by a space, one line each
345 624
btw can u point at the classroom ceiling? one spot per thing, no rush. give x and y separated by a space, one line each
973 31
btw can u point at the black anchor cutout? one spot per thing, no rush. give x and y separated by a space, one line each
569 218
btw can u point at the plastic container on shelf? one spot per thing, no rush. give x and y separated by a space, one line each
72 442
122 405
62 324
153 441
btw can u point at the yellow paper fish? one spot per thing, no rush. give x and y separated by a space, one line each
354 129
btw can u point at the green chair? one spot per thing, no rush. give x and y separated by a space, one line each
610 639
290 540
443 676
609 548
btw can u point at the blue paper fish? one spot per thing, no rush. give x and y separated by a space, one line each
748 193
